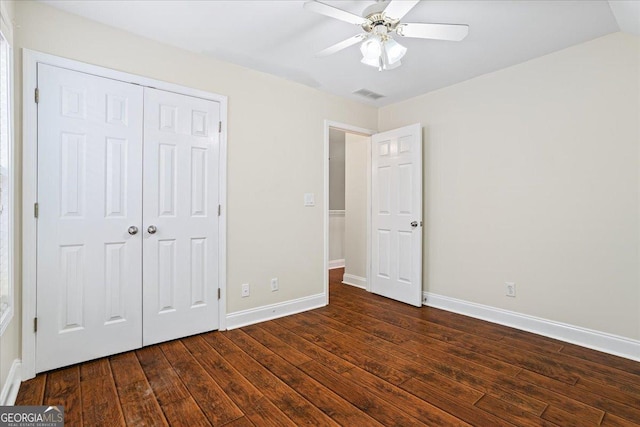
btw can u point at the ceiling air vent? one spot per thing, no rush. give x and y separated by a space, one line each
368 94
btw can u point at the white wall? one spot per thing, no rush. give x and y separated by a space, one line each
336 197
336 238
532 176
336 169
355 227
275 145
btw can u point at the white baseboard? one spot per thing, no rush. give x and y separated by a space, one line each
596 340
336 263
353 280
12 385
273 311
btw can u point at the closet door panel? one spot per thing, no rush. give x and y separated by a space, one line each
180 261
89 291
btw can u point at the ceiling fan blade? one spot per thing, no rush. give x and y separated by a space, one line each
333 12
398 8
453 32
342 45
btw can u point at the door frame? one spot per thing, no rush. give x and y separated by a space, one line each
360 131
30 60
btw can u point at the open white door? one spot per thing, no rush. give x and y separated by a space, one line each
89 191
396 216
181 181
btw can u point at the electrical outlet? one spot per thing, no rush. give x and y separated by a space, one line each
274 284
510 289
245 290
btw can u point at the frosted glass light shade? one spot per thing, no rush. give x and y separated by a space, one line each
374 62
371 49
392 66
382 53
395 51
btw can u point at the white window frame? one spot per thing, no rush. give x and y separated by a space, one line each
6 33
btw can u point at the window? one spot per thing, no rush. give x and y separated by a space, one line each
6 169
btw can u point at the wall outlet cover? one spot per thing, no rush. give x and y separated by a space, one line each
510 288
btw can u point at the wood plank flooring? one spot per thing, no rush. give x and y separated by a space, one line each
361 361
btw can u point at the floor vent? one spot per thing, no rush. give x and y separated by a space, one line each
368 94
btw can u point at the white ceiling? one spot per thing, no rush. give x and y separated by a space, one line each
280 37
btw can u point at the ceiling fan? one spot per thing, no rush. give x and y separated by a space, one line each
380 21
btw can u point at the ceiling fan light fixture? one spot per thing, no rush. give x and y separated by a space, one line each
380 21
371 50
392 66
373 62
382 52
394 51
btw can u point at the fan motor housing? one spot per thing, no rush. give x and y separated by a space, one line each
379 18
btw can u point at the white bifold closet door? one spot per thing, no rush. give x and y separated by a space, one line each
181 150
128 216
89 291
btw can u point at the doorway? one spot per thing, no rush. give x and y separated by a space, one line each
348 205
347 198
389 189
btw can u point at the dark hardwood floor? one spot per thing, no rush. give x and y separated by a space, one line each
362 361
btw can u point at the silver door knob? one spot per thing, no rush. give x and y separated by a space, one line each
414 224
152 229
133 230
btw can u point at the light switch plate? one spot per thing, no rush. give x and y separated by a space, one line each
309 199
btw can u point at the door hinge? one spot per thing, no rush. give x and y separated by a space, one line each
37 95
218 293
35 324
36 210
219 210
219 127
